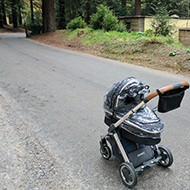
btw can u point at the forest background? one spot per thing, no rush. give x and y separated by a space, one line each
58 13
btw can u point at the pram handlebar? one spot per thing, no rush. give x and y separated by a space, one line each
167 88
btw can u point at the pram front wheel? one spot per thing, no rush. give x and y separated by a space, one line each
167 158
128 174
105 152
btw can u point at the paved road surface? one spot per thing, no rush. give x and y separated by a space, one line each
58 96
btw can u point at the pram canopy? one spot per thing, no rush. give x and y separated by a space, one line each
121 97
124 96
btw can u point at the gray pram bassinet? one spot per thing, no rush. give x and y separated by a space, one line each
143 126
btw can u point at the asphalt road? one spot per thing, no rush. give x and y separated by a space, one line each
58 94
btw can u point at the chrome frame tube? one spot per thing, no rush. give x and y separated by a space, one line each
120 146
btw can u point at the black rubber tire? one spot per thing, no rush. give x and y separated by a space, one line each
106 153
167 158
128 174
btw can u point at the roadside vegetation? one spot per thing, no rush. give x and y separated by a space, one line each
108 38
162 53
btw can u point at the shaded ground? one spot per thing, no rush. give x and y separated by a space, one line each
10 29
150 55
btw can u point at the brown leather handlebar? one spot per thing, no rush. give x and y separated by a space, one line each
167 88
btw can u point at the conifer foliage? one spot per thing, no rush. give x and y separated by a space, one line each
56 14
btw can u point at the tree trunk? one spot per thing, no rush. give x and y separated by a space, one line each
14 13
137 7
20 16
62 21
48 14
32 12
88 12
1 16
4 14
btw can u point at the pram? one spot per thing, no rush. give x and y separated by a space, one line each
135 129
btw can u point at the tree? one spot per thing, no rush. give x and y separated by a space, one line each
48 15
32 12
1 15
14 13
87 19
61 15
3 12
19 11
137 7
161 24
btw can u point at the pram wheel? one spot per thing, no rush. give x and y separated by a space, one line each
128 174
167 158
106 153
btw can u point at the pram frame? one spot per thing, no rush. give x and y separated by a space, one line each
112 132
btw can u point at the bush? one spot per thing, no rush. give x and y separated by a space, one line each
96 20
161 23
76 23
104 18
121 27
110 22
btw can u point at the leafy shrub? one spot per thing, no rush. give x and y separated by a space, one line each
121 27
96 20
151 35
76 23
104 18
110 22
161 23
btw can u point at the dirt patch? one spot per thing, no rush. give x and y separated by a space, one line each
56 39
10 29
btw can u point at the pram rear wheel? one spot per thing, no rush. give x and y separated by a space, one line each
167 158
128 174
105 152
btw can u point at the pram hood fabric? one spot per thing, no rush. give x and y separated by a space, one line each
123 93
124 96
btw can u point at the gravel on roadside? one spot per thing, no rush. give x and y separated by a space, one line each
24 163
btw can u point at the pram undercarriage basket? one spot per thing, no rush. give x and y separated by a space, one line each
134 130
